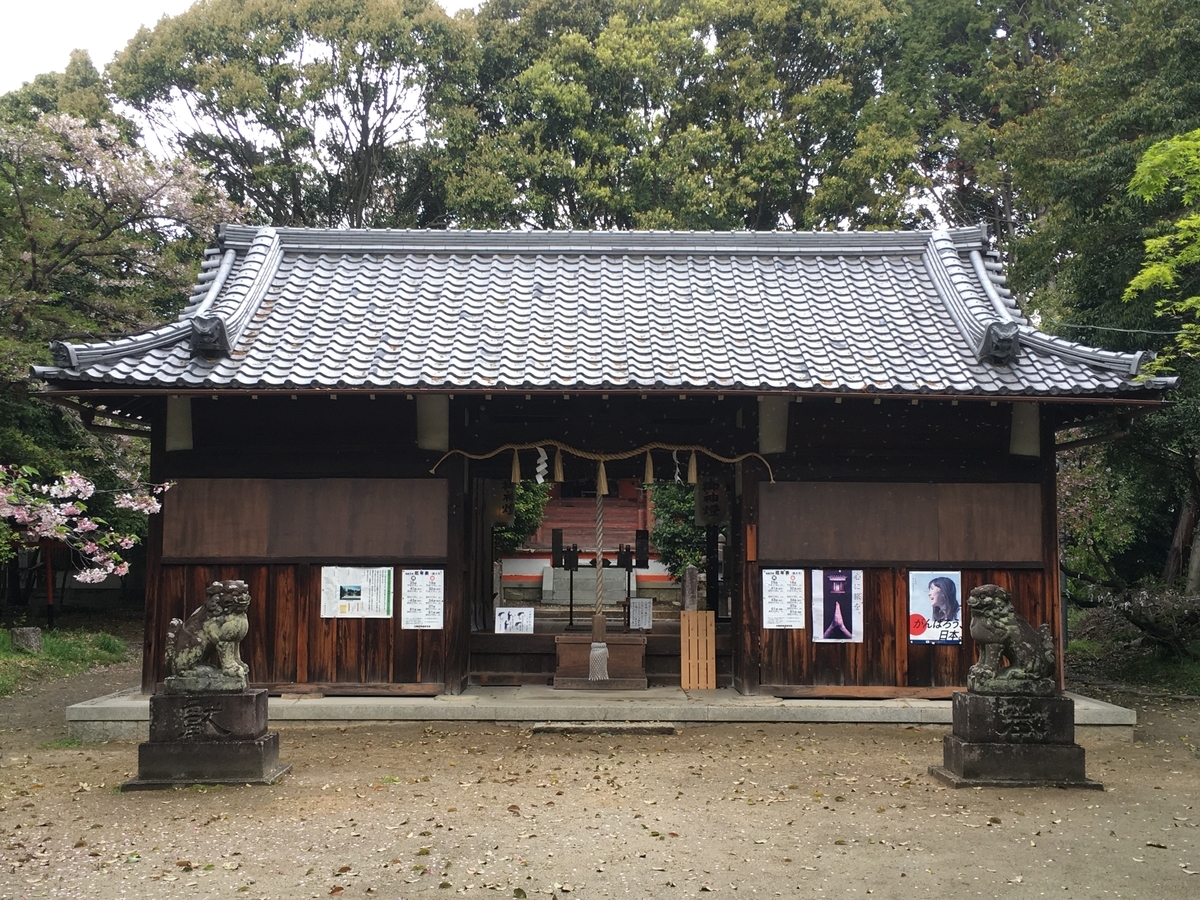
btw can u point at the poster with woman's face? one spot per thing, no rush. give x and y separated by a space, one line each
837 606
935 607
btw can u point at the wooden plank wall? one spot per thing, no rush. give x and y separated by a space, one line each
289 645
885 657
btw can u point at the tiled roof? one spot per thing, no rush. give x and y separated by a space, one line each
906 312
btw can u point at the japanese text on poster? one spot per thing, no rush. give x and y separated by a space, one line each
641 613
783 594
422 598
837 605
934 608
352 593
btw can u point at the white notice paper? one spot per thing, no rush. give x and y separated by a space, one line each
783 597
352 593
422 598
514 620
641 613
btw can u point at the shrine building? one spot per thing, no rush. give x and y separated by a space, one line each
871 419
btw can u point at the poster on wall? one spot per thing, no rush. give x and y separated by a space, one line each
641 613
422 598
837 605
514 620
353 593
934 607
783 595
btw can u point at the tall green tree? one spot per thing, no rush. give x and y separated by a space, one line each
310 112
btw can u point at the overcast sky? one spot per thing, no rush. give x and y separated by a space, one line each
38 35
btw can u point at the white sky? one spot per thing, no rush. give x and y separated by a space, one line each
38 35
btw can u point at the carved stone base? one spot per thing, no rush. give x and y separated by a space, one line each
1013 741
204 680
214 738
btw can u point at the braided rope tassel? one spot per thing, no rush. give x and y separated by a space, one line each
599 552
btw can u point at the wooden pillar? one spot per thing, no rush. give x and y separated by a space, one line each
1052 597
155 628
747 612
456 633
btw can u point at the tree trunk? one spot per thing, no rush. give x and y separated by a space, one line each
1173 567
1193 575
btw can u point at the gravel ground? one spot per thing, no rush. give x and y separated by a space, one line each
491 811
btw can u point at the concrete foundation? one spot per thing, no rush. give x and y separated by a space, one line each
125 716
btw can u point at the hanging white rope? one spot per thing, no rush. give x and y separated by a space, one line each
609 457
598 655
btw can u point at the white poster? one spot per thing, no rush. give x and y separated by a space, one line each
783 595
837 606
641 613
514 620
350 593
934 608
422 598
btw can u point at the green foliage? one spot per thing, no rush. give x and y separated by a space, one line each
529 507
63 653
1171 268
308 112
679 540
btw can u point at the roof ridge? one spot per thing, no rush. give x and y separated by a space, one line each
759 243
216 334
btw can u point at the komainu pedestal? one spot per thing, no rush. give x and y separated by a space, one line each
218 738
208 728
1012 728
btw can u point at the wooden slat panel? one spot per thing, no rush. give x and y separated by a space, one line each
349 649
879 628
850 522
258 647
377 650
698 650
284 621
209 518
358 518
322 518
990 522
322 632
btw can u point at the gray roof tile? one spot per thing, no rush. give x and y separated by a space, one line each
890 311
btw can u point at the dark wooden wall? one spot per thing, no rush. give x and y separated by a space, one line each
290 647
951 454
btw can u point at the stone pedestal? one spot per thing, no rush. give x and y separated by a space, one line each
1013 740
208 739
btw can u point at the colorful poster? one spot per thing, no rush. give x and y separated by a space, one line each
422 598
935 607
783 597
351 593
837 605
514 620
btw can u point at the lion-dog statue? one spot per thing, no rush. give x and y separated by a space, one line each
204 653
1002 634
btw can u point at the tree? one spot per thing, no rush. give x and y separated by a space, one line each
674 113
96 237
679 540
309 111
529 505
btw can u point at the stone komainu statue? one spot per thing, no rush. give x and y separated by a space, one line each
1002 634
204 653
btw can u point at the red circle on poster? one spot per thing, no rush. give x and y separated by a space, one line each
916 624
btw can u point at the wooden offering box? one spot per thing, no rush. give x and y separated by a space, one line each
626 663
